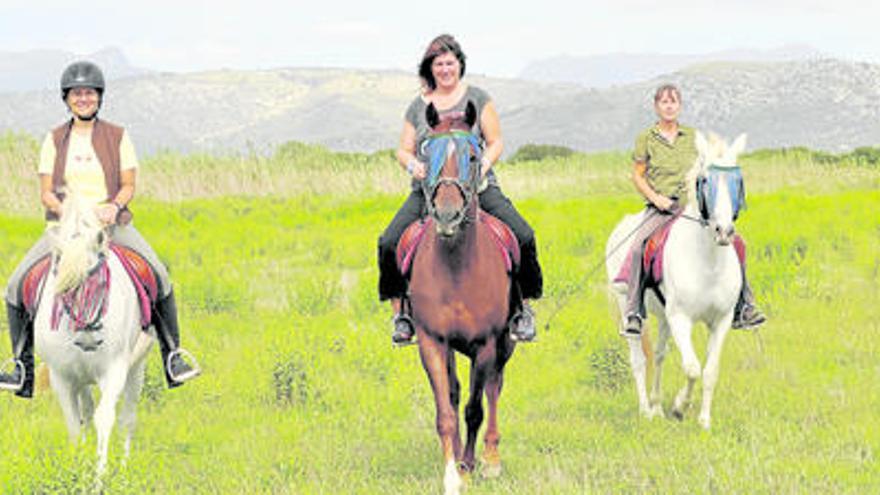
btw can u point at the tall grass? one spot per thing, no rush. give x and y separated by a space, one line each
302 392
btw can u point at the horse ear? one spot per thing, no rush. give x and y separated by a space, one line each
432 116
470 114
738 145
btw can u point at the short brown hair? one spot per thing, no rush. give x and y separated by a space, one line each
667 89
444 43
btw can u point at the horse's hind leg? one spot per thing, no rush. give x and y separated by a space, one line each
659 357
69 403
435 361
111 385
710 372
86 407
131 395
481 368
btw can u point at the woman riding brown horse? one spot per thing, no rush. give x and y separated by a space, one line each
460 295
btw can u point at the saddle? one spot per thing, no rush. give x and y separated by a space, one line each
504 239
137 268
652 257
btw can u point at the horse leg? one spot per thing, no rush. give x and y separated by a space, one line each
67 399
713 363
111 385
481 366
434 357
454 399
131 395
638 364
86 407
659 357
494 384
681 326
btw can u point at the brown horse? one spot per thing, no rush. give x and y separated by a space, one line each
460 293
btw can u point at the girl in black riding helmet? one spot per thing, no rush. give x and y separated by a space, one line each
95 160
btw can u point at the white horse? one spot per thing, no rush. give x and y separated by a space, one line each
701 278
110 350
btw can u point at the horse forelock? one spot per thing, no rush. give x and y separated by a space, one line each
78 245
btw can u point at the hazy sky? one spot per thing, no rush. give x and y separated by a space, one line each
500 37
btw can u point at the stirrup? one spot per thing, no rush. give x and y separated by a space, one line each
17 365
625 331
189 375
406 318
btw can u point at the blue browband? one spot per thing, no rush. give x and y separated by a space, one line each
465 142
732 177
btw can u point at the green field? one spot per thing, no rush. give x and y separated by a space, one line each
274 263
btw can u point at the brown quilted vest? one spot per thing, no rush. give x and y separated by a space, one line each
105 139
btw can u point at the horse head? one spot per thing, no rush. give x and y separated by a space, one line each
78 245
717 186
453 177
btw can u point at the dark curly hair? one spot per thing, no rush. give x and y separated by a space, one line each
444 43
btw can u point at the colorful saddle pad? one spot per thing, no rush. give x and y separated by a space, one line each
500 233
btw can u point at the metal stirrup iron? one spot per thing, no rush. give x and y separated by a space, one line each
180 351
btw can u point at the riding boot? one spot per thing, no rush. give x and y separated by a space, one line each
21 331
177 370
635 298
747 315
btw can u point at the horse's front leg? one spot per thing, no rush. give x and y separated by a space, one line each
69 402
434 357
111 385
681 326
713 363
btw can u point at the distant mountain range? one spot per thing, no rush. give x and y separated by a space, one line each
41 69
821 103
602 71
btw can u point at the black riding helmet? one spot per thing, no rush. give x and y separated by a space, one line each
82 74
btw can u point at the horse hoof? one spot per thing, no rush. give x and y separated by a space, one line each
491 471
705 423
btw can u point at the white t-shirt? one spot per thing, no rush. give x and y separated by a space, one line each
83 173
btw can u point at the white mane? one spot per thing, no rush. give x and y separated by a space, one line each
79 240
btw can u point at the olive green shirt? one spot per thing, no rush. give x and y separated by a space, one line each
667 163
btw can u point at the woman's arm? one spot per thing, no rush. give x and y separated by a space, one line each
638 177
491 128
406 153
47 194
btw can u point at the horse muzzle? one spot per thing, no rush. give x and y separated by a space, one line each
723 235
88 340
447 222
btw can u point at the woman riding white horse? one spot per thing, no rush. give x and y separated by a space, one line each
95 160
88 328
663 154
701 276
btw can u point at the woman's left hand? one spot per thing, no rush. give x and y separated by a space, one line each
485 166
107 213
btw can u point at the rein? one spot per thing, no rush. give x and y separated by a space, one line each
86 304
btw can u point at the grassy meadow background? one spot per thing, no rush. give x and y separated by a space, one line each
273 258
